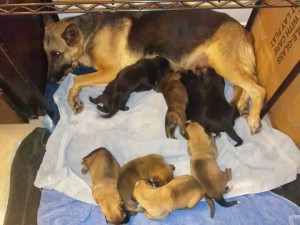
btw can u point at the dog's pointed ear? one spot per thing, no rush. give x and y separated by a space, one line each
172 167
49 19
71 35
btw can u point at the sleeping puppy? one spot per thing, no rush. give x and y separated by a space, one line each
141 76
204 168
176 98
207 103
181 192
151 167
104 171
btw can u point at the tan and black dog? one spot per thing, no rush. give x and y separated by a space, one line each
151 167
181 192
104 171
110 41
204 168
176 98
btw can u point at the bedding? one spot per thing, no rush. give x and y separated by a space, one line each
264 161
254 209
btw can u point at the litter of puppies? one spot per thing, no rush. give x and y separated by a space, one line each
146 184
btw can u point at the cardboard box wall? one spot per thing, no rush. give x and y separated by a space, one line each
277 45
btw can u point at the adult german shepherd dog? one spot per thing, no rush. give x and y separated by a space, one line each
110 41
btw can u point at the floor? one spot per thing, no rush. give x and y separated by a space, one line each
10 138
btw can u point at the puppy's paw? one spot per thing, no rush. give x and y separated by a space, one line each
254 123
228 188
228 170
125 108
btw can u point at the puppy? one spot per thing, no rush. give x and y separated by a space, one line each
141 76
204 167
151 167
181 192
104 171
207 103
176 98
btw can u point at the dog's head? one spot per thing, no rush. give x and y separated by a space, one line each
163 66
111 206
161 172
63 47
187 76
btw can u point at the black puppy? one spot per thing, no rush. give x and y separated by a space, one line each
141 76
207 104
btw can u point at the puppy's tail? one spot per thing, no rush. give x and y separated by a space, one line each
211 205
221 201
231 132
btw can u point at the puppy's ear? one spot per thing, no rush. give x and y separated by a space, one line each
172 167
71 35
84 169
156 181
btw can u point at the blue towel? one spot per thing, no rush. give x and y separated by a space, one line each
256 209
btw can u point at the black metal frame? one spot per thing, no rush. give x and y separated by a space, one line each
138 5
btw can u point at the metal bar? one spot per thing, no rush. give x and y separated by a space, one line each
134 6
281 89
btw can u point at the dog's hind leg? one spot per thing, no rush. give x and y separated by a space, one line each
96 100
231 54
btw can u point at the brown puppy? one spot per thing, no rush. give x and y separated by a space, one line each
176 98
181 192
204 167
104 171
151 167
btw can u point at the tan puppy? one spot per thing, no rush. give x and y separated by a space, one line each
204 167
104 171
176 98
151 167
181 192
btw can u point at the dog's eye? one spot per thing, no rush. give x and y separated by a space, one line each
56 54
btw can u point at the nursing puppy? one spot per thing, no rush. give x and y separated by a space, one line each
151 167
176 98
141 76
181 192
207 103
104 171
204 167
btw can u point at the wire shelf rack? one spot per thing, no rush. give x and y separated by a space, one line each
138 5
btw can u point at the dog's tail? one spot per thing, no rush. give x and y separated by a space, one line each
211 205
221 201
231 132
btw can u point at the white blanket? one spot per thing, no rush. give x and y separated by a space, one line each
263 162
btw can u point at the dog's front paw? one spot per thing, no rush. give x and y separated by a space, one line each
78 106
254 123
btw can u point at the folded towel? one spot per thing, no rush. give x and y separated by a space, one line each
264 161
254 209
